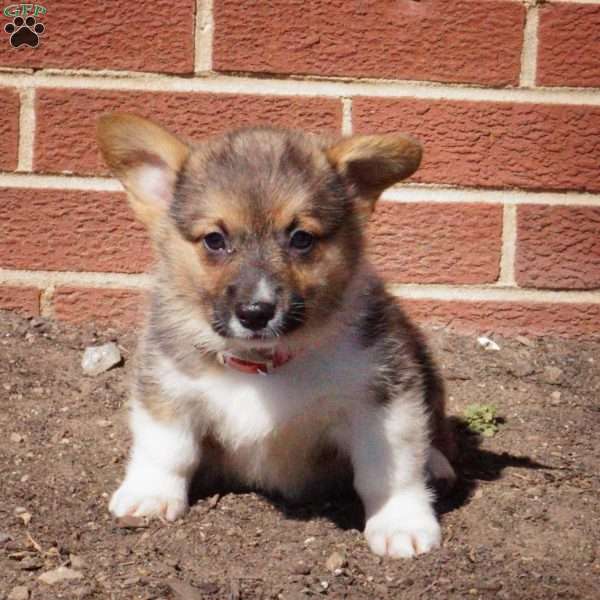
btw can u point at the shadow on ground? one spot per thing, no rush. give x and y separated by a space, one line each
475 464
344 507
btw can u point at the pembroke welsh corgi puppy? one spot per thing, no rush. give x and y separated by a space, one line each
272 352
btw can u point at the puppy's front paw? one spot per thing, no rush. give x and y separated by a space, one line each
142 501
399 536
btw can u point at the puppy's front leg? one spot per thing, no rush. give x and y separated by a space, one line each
389 449
163 460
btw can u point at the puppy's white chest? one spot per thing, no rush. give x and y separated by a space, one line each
315 390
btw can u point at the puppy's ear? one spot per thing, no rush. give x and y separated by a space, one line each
146 159
372 163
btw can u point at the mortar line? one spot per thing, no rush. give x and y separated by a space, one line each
572 1
493 292
509 245
26 129
203 37
407 193
530 46
346 116
46 279
243 85
419 193
63 182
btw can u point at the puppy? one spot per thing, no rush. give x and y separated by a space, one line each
272 352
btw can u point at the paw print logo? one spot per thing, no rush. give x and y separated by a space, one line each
24 32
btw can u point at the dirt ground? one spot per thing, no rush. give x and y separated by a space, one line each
523 522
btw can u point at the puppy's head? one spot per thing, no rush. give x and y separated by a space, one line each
259 232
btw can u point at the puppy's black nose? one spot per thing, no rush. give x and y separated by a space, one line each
255 315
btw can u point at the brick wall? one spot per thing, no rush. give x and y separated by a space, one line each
499 231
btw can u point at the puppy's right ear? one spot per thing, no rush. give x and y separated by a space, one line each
146 158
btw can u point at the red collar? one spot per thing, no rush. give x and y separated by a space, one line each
268 365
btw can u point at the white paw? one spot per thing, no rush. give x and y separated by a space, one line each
140 502
402 542
391 533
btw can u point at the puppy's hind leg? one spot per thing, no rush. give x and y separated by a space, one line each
163 459
440 471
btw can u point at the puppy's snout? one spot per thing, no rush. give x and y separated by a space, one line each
255 315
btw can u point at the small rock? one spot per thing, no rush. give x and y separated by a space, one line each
552 375
25 517
131 522
16 438
522 368
208 587
59 574
40 324
98 359
4 537
525 341
457 372
19 592
491 586
301 568
184 591
82 592
30 563
555 398
335 561
487 343
76 561
103 423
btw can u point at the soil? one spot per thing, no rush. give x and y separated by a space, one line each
523 521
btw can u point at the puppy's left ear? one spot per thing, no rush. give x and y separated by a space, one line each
372 163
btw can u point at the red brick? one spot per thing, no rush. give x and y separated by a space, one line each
24 300
558 247
437 243
66 123
494 144
509 318
138 36
9 129
69 230
569 45
462 41
112 307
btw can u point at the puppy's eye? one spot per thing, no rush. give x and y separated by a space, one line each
301 240
215 242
